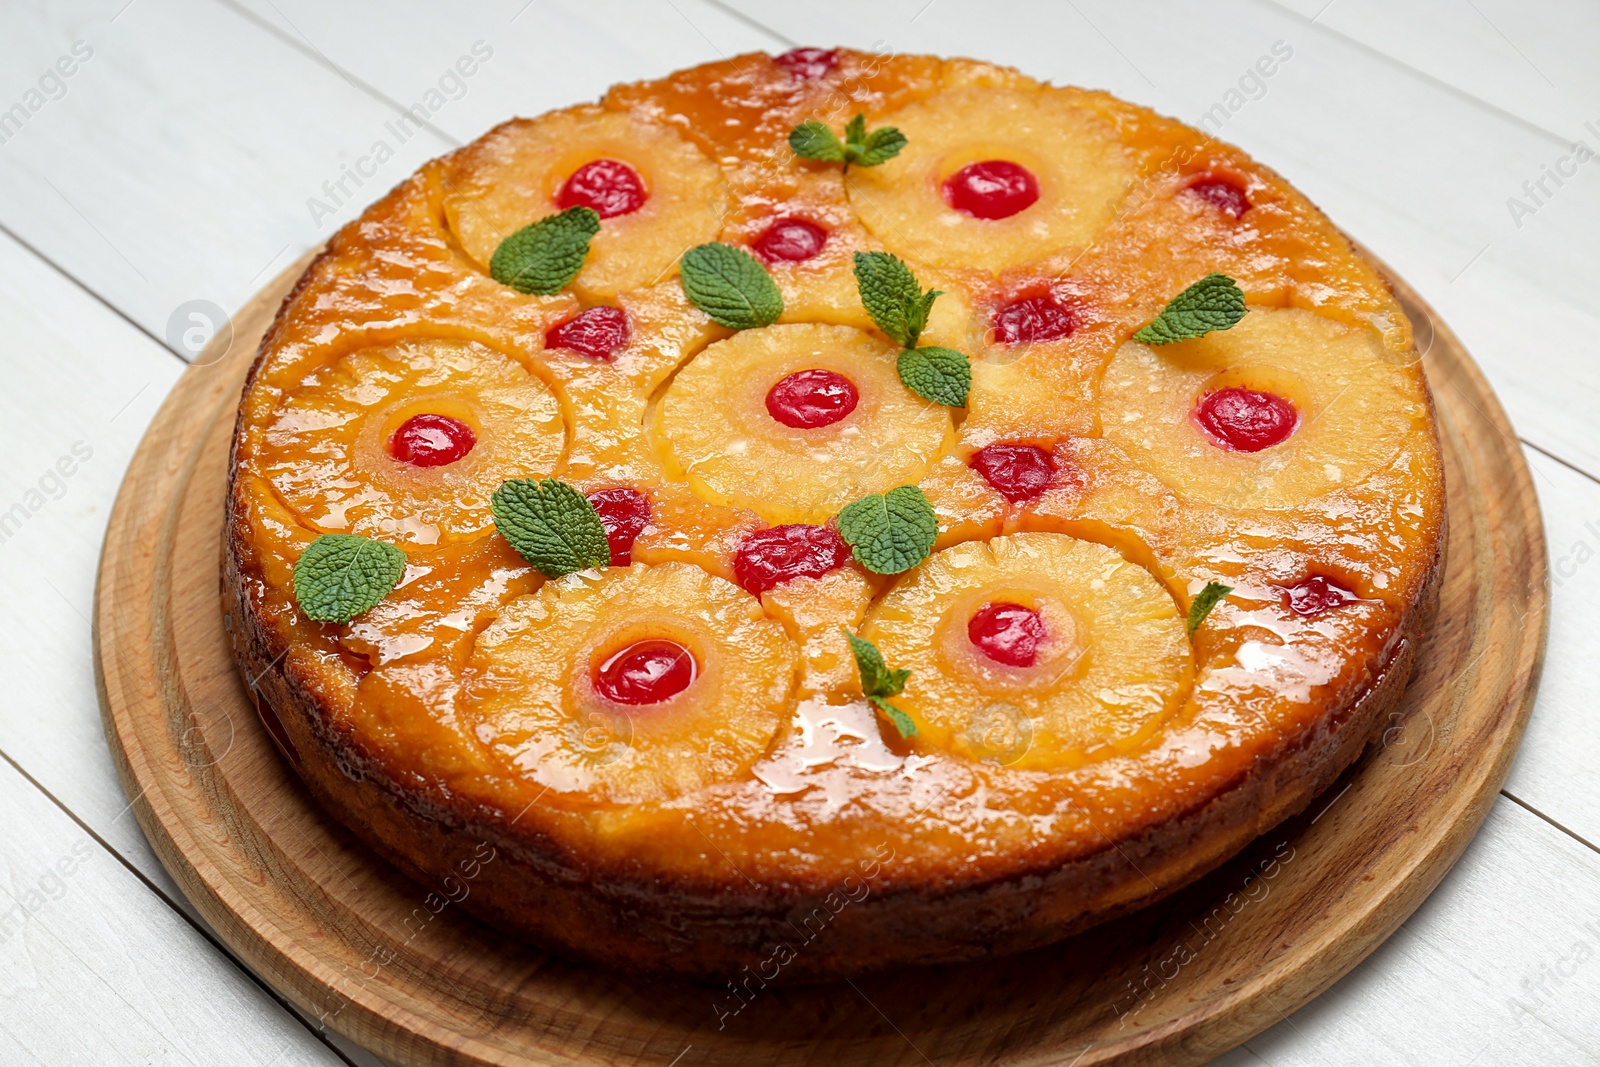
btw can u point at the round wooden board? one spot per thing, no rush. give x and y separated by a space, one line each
375 956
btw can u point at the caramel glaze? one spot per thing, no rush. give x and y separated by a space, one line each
960 859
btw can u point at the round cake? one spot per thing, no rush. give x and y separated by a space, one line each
824 512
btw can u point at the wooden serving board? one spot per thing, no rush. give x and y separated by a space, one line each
400 969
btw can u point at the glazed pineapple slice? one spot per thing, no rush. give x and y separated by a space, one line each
656 193
407 442
624 686
794 421
994 177
1034 650
1283 407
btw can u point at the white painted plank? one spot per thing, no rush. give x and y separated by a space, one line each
1500 967
179 161
94 968
1532 60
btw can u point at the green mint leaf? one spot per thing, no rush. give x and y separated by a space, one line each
878 682
813 140
881 145
891 295
551 525
544 258
1214 302
890 532
339 576
731 286
941 375
1208 598
855 136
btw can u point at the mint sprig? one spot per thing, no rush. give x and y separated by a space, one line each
861 148
340 576
730 285
1208 598
878 682
551 525
544 257
900 308
890 532
1215 302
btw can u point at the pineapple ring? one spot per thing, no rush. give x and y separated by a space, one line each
1355 408
535 705
714 429
326 452
1114 664
512 177
1082 168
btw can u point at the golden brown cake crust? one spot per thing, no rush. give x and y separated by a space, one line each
862 868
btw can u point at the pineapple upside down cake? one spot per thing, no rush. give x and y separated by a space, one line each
827 512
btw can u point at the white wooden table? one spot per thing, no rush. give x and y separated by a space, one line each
184 158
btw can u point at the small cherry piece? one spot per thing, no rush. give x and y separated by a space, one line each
807 399
609 186
1033 318
808 64
1017 472
772 556
1316 594
431 440
790 240
596 333
1224 194
1244 420
646 672
1006 633
993 189
624 513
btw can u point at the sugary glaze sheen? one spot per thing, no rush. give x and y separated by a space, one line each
671 757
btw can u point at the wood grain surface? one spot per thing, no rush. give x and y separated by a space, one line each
396 967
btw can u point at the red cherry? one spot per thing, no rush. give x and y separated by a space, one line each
1244 420
1006 633
1316 594
1033 318
1225 194
790 240
807 399
993 189
646 672
624 513
772 556
431 440
808 63
1017 472
596 333
609 186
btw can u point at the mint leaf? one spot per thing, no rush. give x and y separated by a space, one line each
544 258
1207 599
891 295
731 286
551 525
813 140
878 682
890 532
339 576
941 375
1214 302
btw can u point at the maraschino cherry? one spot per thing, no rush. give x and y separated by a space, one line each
428 440
596 333
1224 194
1017 472
770 557
1246 420
609 186
807 399
646 672
1007 633
1316 594
790 240
807 64
624 512
1033 318
992 189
